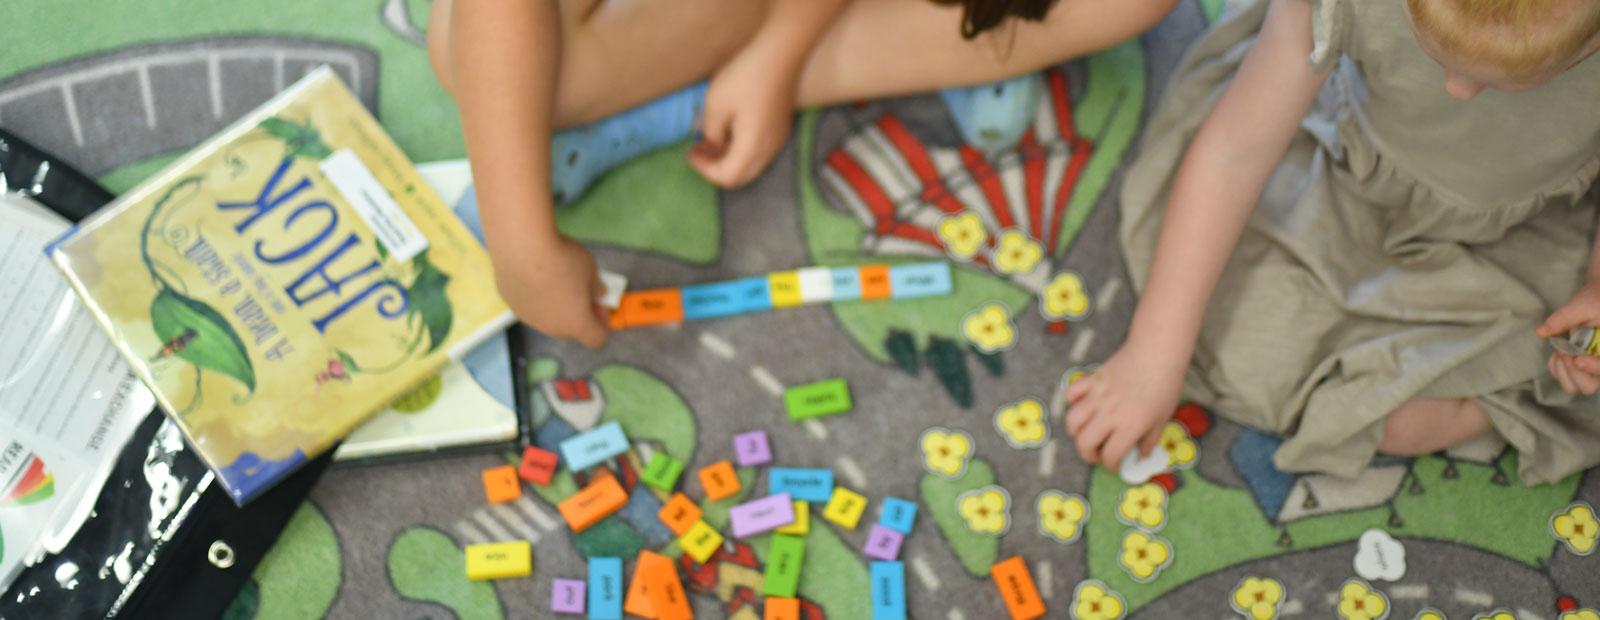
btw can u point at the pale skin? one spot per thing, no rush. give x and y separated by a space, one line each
1125 403
519 70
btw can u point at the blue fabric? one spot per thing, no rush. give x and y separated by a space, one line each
581 154
993 117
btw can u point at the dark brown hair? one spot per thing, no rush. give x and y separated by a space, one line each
979 16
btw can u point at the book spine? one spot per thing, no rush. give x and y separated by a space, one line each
466 345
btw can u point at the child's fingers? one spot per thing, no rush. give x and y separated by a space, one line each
1564 319
1586 364
591 332
1079 414
1151 439
1078 389
1093 437
1586 383
1558 369
1118 445
712 149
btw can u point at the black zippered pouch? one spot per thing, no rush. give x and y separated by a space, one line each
164 540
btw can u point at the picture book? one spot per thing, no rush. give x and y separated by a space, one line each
472 403
283 282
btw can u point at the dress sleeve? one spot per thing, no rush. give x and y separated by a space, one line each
1330 26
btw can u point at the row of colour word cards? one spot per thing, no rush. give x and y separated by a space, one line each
783 289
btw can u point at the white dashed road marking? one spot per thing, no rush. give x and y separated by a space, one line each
817 430
767 381
716 345
1047 585
1080 347
925 573
1414 592
955 614
848 467
1292 608
1047 458
1108 293
1475 598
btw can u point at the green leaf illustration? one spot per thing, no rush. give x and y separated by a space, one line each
902 348
212 345
315 150
350 364
281 129
949 364
427 298
303 140
992 362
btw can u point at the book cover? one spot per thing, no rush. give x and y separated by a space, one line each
283 282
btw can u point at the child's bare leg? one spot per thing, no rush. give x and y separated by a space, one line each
619 54
881 48
1428 425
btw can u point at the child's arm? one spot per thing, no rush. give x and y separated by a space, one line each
504 59
1577 374
750 103
1131 396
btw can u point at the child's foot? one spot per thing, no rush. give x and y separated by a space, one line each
993 117
581 154
1427 425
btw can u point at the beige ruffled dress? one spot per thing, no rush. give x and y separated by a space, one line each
1407 246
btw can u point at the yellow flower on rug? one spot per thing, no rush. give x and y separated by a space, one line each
986 510
963 234
1092 600
1577 528
1498 614
1144 507
1580 614
1064 297
1144 555
946 452
1358 601
1258 597
1016 253
1061 515
1022 423
1430 614
1181 450
989 328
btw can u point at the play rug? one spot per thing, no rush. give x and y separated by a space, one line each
956 399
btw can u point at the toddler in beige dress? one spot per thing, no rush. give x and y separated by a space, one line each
1353 222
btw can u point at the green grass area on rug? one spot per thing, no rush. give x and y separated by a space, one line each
425 565
300 576
977 552
1227 525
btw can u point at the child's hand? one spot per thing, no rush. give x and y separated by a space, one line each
748 114
1125 401
555 292
1576 373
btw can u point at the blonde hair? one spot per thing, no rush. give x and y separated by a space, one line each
1520 37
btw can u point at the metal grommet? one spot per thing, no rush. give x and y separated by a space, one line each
220 554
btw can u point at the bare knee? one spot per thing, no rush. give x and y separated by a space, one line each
1427 425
